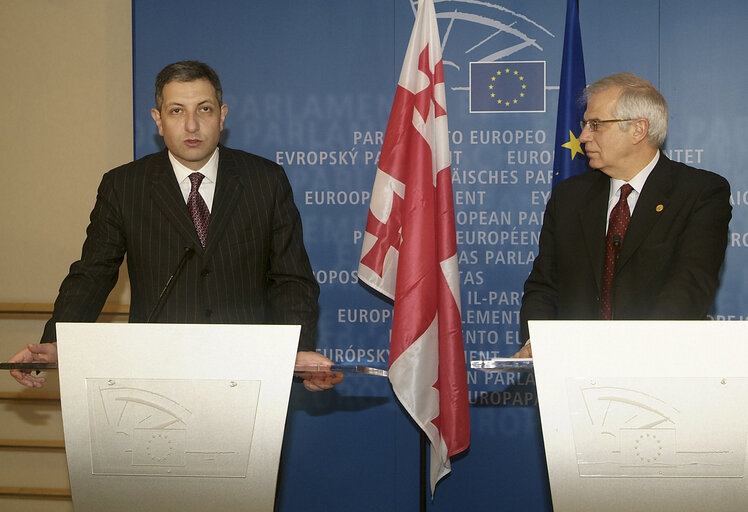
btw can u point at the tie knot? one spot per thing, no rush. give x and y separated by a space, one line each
196 179
626 189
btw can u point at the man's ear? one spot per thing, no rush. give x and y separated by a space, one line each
156 115
224 111
639 129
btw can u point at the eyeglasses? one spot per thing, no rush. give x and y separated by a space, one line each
594 124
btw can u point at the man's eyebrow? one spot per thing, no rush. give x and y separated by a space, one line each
201 102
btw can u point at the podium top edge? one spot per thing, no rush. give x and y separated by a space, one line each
28 366
510 364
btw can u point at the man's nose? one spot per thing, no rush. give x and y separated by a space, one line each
586 134
191 124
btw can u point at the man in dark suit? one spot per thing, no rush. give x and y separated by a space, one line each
225 216
664 262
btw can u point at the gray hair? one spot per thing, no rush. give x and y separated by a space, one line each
639 99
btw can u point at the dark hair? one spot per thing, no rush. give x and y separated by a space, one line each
187 71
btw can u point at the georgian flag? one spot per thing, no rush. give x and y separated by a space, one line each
410 252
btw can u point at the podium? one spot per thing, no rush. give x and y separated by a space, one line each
644 415
170 417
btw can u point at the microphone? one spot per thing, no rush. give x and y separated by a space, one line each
186 255
617 244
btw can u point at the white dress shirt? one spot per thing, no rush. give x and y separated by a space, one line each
637 183
208 185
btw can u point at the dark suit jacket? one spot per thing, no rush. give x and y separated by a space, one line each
668 265
254 268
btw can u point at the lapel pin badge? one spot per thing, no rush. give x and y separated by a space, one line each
659 208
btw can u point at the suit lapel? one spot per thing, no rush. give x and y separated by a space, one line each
592 219
226 198
653 200
168 198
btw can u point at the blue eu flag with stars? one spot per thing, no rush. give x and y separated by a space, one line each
507 86
570 159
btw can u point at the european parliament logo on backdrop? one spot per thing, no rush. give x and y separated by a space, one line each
507 87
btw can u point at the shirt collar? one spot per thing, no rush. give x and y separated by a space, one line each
637 182
209 170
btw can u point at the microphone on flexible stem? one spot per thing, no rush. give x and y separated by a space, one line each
617 244
186 255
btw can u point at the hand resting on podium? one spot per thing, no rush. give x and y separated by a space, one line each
320 380
33 353
524 352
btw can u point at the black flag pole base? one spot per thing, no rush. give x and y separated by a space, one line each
424 472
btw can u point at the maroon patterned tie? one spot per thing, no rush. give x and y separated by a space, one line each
198 208
619 222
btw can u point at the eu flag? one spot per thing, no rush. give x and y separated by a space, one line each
570 158
506 86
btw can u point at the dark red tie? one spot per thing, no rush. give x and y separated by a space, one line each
617 226
198 208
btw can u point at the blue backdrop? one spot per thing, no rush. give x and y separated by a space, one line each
309 84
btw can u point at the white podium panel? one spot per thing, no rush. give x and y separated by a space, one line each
643 416
167 417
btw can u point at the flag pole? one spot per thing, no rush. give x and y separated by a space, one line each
423 469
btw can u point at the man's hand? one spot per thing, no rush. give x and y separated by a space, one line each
33 353
317 381
524 352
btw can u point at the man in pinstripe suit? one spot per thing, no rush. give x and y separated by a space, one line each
250 267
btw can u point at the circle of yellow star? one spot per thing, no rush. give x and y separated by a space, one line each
514 101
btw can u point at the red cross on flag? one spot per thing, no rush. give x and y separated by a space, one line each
410 251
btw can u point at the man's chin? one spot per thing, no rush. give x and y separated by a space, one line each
193 159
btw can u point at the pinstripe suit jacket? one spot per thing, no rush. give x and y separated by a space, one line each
668 267
254 268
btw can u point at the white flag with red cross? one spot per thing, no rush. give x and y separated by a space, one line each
410 252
